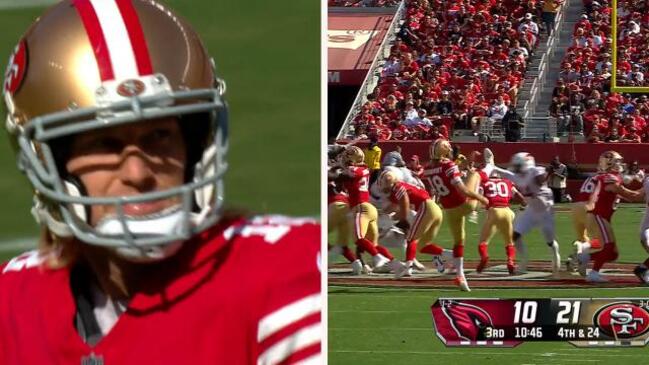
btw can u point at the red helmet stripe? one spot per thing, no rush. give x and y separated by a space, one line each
96 37
136 35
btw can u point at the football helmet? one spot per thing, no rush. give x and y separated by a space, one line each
610 161
440 149
387 179
85 65
352 155
522 161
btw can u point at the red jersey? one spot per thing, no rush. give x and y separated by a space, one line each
335 195
498 191
605 200
335 192
358 186
242 292
416 195
587 188
443 176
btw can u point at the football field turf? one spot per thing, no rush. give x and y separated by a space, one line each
394 326
268 52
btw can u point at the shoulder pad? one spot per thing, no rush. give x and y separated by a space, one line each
24 261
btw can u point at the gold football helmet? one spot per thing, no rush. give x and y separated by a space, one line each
353 155
440 149
85 65
387 180
610 161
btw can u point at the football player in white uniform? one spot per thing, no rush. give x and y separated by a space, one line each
530 180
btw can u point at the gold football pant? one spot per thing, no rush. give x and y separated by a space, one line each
578 215
455 218
339 223
500 219
365 222
427 222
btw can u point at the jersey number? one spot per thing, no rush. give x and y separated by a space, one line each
588 186
363 183
495 189
438 185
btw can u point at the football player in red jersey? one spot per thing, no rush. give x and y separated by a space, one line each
457 200
500 217
578 216
338 219
366 232
125 145
427 220
601 207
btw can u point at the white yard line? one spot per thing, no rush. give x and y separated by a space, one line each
18 244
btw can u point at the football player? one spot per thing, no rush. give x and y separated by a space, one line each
456 198
530 180
120 125
600 208
338 221
578 216
427 221
499 192
366 232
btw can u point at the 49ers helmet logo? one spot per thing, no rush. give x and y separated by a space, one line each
132 87
16 68
622 320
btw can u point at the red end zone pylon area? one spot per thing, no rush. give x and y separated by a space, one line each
538 275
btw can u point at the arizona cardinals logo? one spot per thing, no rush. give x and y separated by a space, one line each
468 321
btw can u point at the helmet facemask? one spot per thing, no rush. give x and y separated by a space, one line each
63 207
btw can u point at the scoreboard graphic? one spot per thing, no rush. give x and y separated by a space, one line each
510 322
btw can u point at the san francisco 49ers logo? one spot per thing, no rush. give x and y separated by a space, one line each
16 68
130 88
622 320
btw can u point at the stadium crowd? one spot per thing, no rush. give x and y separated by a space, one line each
632 43
582 101
453 65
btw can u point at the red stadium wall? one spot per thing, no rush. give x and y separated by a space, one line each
585 154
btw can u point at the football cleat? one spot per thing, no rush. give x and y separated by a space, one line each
641 272
582 259
418 265
556 257
461 282
402 270
595 277
438 262
482 264
511 267
381 264
357 267
572 263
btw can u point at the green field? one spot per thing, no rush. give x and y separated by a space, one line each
269 54
394 326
